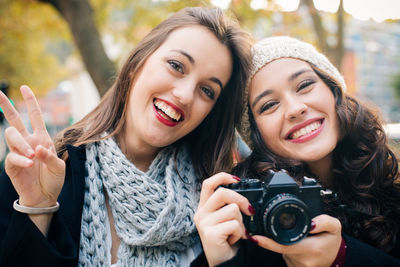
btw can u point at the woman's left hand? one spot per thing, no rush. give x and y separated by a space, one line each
318 249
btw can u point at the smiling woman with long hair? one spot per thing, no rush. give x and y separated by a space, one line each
302 120
125 186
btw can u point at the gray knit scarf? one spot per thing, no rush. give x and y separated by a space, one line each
153 211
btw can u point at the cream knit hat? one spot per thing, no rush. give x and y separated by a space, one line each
276 47
273 48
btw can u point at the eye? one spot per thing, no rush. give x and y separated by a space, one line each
176 65
305 84
208 91
267 106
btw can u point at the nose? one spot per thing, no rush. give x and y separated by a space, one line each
184 91
295 108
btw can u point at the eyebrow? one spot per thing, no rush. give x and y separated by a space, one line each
263 94
217 81
191 59
269 91
298 73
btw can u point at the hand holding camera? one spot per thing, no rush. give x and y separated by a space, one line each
283 208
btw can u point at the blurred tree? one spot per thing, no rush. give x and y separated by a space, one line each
79 16
295 24
27 32
334 52
83 23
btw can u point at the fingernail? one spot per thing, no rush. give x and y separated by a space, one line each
252 239
30 152
28 162
313 224
252 210
236 178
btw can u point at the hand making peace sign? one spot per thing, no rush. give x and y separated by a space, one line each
36 172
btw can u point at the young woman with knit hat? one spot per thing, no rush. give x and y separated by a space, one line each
301 119
128 183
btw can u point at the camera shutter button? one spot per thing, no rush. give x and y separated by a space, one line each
309 181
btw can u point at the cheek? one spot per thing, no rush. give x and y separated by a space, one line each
336 127
199 113
269 134
334 118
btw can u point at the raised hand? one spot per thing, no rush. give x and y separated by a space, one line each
36 172
218 218
318 249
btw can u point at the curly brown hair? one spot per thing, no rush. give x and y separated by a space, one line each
365 171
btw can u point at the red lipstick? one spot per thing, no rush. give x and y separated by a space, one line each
164 118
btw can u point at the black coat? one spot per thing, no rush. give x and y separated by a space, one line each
357 254
22 244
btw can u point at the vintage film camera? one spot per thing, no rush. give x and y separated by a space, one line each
283 208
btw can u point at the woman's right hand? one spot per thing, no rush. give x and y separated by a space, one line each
36 172
218 218
320 248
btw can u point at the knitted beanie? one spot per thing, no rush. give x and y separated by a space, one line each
272 48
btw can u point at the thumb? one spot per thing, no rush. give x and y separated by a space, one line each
326 223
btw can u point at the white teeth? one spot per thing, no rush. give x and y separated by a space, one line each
306 130
168 110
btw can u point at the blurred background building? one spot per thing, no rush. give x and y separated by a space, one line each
374 48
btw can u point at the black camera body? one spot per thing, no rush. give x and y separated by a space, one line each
283 208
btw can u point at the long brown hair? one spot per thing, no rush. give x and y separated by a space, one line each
365 171
211 143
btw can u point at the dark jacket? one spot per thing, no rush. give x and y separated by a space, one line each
357 254
22 244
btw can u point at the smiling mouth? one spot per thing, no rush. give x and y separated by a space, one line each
307 130
166 111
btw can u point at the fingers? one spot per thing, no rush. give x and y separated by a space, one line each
33 107
326 223
54 164
325 227
17 143
224 196
12 115
232 231
14 160
227 213
209 185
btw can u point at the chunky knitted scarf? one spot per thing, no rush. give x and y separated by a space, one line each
153 211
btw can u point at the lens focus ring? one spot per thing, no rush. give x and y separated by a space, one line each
286 219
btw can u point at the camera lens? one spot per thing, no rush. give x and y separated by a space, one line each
286 219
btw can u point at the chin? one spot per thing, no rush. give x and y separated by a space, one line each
160 143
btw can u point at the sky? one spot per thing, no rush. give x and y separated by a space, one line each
378 10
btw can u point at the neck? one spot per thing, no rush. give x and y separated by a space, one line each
139 154
323 170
